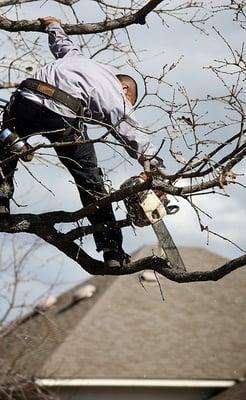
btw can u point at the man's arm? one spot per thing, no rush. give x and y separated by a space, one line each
137 143
59 43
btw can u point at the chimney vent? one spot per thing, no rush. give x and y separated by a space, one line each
148 276
85 292
45 303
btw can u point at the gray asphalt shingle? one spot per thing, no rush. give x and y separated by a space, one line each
125 330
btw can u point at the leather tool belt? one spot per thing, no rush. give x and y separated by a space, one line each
53 93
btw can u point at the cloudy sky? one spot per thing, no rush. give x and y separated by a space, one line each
163 45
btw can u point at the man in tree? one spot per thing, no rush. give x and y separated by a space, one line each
57 101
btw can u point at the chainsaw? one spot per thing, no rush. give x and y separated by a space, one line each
11 142
147 208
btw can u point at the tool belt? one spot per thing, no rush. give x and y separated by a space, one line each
53 93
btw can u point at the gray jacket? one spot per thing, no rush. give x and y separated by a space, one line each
99 89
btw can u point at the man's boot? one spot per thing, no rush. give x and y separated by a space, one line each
4 205
114 258
5 194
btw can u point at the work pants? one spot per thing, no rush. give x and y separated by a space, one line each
27 117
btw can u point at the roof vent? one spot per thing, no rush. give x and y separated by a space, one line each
148 276
45 303
85 292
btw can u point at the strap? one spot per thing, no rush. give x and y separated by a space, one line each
53 93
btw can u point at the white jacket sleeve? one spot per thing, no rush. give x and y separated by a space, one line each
59 42
135 141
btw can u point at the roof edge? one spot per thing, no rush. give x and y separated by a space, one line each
188 383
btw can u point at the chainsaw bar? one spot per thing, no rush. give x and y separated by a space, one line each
167 244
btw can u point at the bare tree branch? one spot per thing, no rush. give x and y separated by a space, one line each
206 150
4 3
205 159
35 26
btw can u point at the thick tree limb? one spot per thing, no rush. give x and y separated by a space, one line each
31 223
160 265
4 3
42 225
157 264
95 267
35 26
212 172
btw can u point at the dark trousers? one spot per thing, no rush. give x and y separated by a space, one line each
26 117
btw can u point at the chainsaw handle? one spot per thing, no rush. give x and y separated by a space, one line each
172 209
154 167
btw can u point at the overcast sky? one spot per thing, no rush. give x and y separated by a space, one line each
163 45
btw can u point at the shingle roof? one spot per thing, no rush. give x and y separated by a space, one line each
34 340
125 330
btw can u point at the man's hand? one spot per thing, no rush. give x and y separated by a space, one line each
154 167
45 21
159 193
26 156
